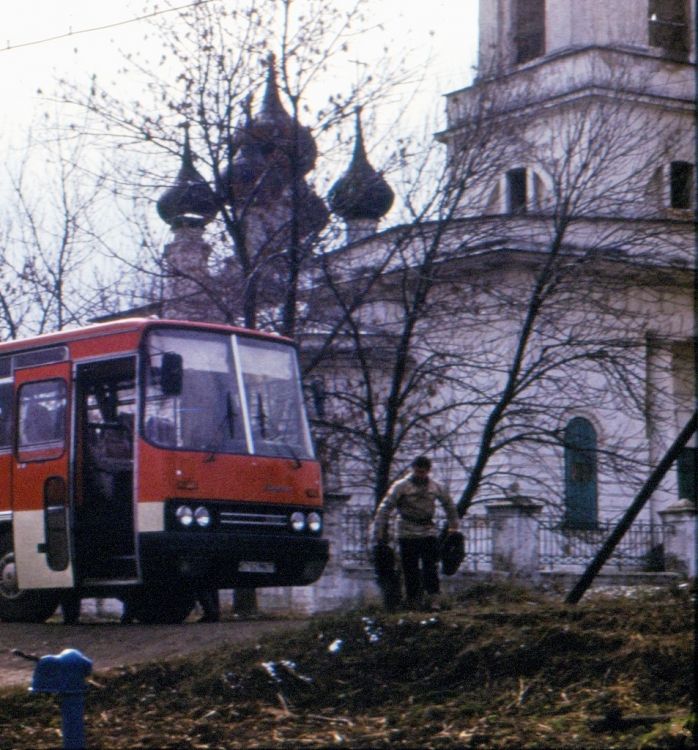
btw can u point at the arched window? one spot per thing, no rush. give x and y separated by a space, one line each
687 470
517 192
580 474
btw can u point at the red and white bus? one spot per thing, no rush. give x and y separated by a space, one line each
145 459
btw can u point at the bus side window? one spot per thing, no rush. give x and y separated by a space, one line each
38 426
42 413
5 415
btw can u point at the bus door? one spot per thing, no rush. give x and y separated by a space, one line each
104 469
41 478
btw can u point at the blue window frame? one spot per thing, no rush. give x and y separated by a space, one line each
686 468
580 474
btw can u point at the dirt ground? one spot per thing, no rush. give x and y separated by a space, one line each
109 644
500 667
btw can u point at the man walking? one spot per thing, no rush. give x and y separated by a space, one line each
414 498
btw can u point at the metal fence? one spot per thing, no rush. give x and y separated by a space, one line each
356 524
561 548
477 531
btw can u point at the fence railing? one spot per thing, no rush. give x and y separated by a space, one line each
559 548
356 525
562 548
477 531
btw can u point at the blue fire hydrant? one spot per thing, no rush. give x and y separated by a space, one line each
65 675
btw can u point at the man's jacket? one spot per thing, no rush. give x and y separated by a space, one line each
415 505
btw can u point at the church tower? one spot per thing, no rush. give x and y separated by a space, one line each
550 67
514 33
187 207
587 111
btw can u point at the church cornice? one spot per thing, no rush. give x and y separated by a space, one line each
510 253
502 233
644 53
574 96
573 73
690 222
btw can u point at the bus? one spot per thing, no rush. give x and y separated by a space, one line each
145 460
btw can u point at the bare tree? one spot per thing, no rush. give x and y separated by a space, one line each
381 366
476 326
579 331
48 239
251 154
494 321
246 165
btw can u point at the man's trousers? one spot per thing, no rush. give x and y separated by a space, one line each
420 557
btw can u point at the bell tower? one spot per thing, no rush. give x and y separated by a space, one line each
523 32
559 76
586 109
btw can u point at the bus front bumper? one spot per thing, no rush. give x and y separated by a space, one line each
222 560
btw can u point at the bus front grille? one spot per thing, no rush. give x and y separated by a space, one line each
248 520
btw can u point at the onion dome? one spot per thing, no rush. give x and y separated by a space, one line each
361 192
253 175
271 148
190 202
312 211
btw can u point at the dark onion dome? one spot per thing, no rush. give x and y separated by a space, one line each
361 192
271 147
252 176
312 211
190 202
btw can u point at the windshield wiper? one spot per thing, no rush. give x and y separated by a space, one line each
230 414
261 417
219 434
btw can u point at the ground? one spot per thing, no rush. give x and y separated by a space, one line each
109 644
500 668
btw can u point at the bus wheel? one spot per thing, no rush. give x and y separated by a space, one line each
158 607
17 605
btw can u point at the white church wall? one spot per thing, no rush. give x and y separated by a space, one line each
590 22
483 338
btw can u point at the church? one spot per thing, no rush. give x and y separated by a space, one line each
534 331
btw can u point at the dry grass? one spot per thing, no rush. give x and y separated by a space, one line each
499 669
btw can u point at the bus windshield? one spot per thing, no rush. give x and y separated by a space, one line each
238 395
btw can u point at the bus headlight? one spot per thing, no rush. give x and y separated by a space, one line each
297 521
314 522
202 516
184 515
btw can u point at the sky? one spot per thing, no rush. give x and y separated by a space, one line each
32 58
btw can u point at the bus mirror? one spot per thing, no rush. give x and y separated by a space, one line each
171 374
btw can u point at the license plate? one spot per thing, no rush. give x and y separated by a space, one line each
255 566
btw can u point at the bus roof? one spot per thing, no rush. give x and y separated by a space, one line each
124 325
